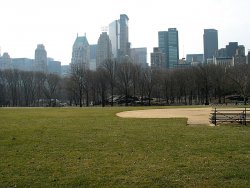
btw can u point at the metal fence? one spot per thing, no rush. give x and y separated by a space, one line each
227 116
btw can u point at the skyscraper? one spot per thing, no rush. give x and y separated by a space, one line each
173 47
124 44
163 45
119 36
81 51
114 35
210 41
41 59
158 59
103 50
168 43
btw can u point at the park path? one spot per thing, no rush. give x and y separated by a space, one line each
196 116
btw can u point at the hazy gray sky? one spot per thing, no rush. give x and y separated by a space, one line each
55 23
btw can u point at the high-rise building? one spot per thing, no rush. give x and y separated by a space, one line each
163 41
163 44
104 49
240 50
81 52
173 47
158 59
114 35
119 36
139 56
240 57
231 49
210 41
124 37
168 43
40 59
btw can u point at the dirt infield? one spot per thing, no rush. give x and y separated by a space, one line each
196 116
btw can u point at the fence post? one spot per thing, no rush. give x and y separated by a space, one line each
245 116
215 116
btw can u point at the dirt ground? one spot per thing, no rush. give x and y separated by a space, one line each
196 116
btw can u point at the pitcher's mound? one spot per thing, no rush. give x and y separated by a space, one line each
196 116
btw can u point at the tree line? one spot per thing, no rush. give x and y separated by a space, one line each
126 83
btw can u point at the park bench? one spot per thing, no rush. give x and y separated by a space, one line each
227 116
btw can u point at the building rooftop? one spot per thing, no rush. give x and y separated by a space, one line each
82 40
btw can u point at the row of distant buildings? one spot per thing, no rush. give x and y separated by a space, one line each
41 63
166 55
115 45
112 45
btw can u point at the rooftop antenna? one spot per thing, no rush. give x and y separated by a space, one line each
85 34
77 35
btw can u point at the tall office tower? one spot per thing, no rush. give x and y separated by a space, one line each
119 36
114 35
103 50
40 59
163 44
231 49
124 44
210 42
81 52
173 47
169 44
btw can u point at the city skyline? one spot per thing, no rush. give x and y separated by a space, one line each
28 23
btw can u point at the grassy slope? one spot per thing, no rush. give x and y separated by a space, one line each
93 148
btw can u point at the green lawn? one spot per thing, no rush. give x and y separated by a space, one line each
91 147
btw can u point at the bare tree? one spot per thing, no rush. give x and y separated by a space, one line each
13 84
204 76
28 85
150 80
39 86
78 78
240 75
102 85
3 101
124 76
110 68
51 87
136 73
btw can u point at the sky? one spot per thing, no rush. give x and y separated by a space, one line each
55 23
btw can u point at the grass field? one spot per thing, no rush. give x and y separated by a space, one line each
91 147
